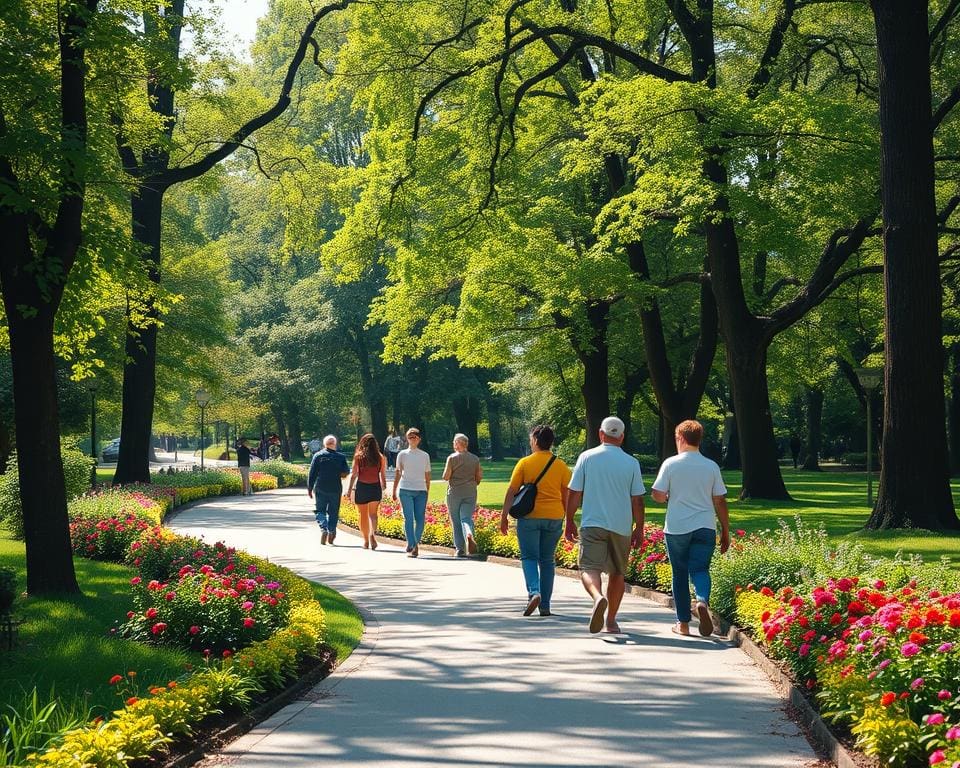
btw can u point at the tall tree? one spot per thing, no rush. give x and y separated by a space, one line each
40 254
914 487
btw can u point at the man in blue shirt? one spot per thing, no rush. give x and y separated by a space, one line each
608 482
324 484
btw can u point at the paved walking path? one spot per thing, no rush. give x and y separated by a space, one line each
450 674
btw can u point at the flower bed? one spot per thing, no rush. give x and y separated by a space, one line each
252 621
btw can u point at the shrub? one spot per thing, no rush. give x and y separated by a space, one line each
205 609
106 538
287 474
789 556
76 475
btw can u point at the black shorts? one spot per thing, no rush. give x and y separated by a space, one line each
364 493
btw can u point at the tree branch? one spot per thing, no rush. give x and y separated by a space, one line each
838 249
177 175
774 46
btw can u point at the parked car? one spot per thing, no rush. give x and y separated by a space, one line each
111 451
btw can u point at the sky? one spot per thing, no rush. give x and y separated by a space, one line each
239 20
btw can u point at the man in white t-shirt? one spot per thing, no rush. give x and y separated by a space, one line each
608 482
693 488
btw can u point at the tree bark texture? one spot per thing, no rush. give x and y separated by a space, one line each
814 417
493 425
595 358
914 490
140 366
466 413
955 410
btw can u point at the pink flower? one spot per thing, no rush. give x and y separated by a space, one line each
944 695
804 649
935 719
945 648
247 605
953 733
158 628
910 649
135 580
918 683
937 757
194 629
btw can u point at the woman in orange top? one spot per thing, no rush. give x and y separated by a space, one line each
369 479
539 532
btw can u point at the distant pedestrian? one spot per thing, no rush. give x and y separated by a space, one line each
243 464
392 447
324 484
412 478
462 473
368 481
539 532
314 445
607 480
693 489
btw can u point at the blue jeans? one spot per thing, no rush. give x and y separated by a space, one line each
461 507
538 539
690 555
414 505
328 510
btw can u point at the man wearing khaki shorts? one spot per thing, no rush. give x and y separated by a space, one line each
607 481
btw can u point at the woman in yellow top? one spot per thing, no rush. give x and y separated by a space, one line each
539 532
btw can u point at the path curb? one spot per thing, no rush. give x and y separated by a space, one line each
816 730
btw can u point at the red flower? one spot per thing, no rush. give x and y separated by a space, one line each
132 700
194 629
248 622
151 613
918 637
836 619
116 679
158 628
888 698
227 653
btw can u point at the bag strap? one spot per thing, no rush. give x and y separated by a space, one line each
553 458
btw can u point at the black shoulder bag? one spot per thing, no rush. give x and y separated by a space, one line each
527 494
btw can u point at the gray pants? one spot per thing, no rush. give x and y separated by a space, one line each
461 505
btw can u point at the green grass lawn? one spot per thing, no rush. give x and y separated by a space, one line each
836 499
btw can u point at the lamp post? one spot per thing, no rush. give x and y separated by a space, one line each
203 397
870 379
92 389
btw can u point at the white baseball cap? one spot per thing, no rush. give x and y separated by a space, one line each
612 426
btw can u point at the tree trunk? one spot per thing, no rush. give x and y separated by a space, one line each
731 438
282 431
140 368
596 371
466 412
493 425
42 488
955 411
378 419
814 413
296 433
747 367
914 490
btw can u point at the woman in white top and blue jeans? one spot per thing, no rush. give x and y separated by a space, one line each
412 478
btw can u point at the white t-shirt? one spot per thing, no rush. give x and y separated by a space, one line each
691 480
608 477
414 464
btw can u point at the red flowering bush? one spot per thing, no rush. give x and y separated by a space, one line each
202 608
108 538
885 662
159 553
